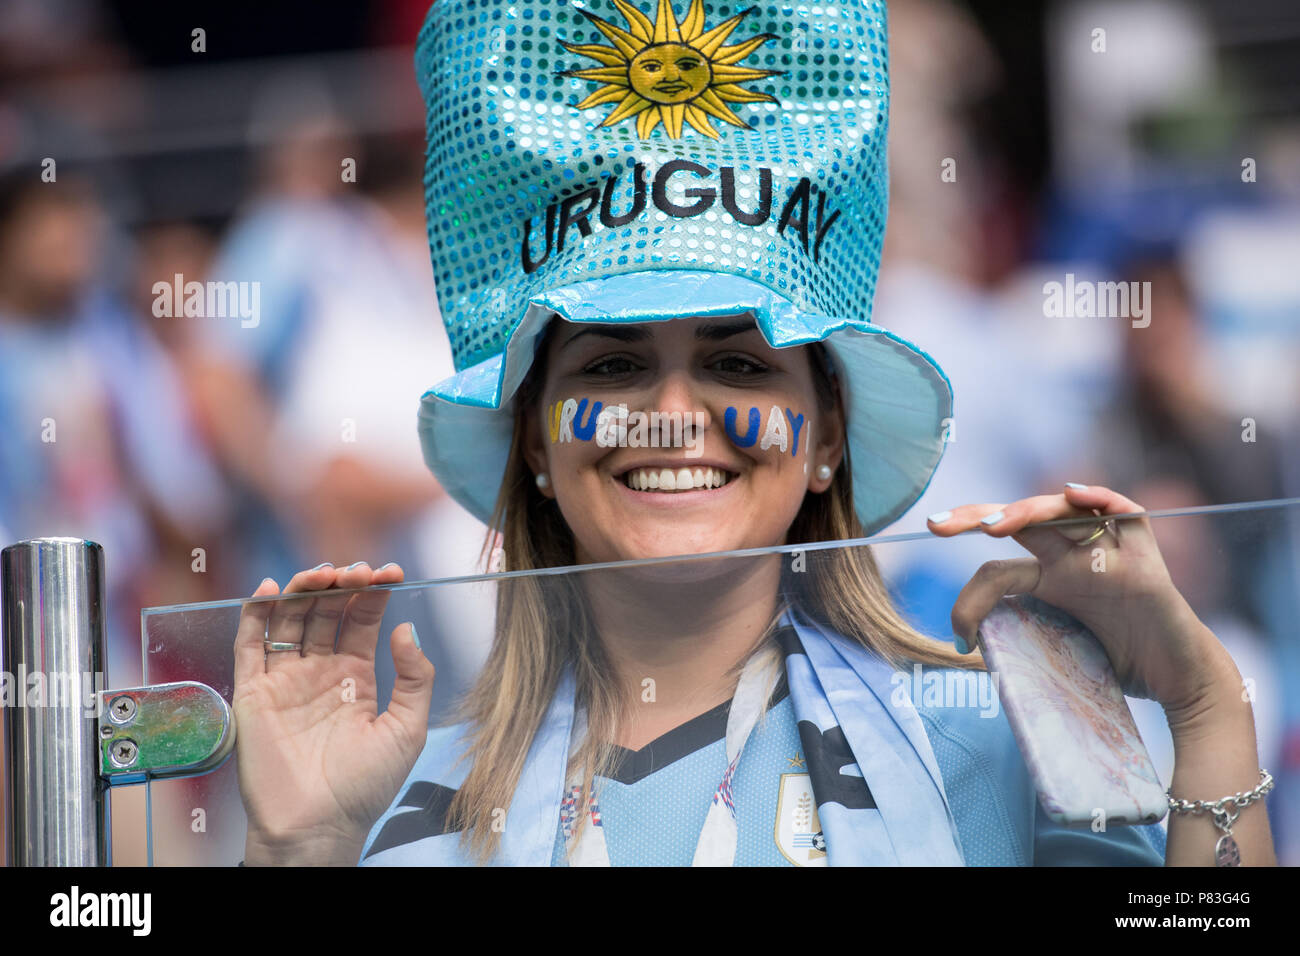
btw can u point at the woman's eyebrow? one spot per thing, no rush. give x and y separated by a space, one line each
713 331
624 333
708 331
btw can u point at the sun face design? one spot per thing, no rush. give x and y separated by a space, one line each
670 72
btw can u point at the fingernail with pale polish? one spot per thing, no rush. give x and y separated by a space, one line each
961 646
354 565
386 566
993 518
1076 485
415 637
939 517
323 564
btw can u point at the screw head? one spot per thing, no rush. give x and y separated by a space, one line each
121 710
123 752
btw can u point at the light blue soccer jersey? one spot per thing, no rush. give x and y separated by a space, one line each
653 807
654 804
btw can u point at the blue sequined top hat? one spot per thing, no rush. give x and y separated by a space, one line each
640 160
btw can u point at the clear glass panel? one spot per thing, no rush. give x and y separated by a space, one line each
1236 565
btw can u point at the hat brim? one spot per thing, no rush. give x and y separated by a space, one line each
897 399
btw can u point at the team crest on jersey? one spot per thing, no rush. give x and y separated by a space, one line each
670 72
798 830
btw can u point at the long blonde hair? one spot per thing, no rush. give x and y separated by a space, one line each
541 626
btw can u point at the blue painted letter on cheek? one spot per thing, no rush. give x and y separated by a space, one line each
796 423
751 433
585 432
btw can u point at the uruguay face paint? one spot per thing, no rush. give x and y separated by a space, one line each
615 427
560 419
781 430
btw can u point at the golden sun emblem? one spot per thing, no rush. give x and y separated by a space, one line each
669 72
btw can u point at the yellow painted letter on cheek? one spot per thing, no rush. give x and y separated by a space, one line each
553 421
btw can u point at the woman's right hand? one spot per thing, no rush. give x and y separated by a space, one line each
317 764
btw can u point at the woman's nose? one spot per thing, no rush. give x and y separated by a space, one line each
678 394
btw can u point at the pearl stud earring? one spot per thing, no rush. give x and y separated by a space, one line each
823 472
543 480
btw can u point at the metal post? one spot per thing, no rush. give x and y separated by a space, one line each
52 598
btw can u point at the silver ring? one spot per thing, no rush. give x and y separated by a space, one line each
1102 528
271 646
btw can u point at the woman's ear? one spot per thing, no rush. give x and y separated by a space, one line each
827 444
534 449
530 394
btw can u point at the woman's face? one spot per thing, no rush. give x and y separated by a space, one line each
624 498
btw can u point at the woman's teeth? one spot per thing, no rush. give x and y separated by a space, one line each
675 479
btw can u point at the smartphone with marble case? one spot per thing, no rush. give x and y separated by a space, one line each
1069 716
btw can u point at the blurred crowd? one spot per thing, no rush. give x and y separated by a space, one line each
205 453
1150 179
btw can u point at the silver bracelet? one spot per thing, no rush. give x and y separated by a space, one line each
1226 851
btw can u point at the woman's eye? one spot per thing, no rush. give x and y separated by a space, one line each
611 365
739 365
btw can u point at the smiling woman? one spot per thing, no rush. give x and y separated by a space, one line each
585 512
692 369
812 424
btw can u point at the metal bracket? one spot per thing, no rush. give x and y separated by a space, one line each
167 730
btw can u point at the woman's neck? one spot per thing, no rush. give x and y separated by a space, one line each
675 644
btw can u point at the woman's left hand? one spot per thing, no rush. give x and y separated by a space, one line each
1117 585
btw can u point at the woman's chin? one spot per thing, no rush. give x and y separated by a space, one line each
661 543
628 525
677 565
